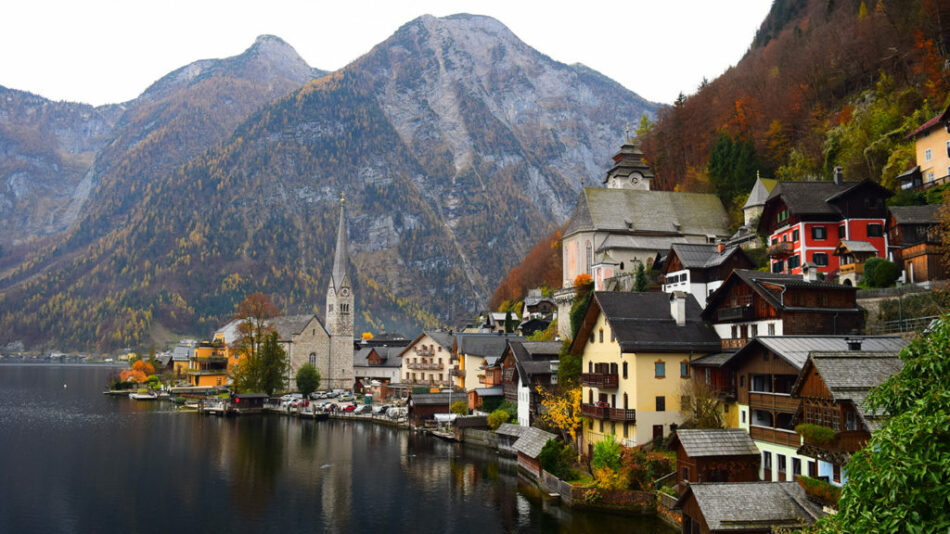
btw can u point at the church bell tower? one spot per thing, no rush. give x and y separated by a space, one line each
339 372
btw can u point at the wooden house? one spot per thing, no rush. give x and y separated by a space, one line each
424 406
831 388
747 507
914 242
753 303
528 447
714 455
699 269
767 369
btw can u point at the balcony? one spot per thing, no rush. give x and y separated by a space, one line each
734 344
781 249
425 366
773 401
600 380
457 372
848 441
857 268
424 351
610 414
775 435
735 313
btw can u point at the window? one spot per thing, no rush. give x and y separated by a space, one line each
661 404
742 381
841 232
591 336
601 335
613 337
626 429
590 257
795 235
836 473
753 330
775 241
820 258
708 375
659 369
684 369
743 416
767 460
930 176
948 152
590 367
819 233
735 331
781 463
601 425
794 262
771 329
928 154
684 402
796 467
875 230
778 267
625 369
313 359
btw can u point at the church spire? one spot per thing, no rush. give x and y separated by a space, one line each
339 259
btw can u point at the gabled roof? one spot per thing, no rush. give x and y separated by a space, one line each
716 442
929 214
641 322
509 429
288 326
388 355
795 349
927 126
817 198
850 375
713 360
435 399
748 505
846 246
760 192
533 358
531 442
702 256
633 211
758 280
495 391
444 339
484 345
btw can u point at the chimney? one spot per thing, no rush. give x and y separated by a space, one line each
721 247
678 307
854 343
810 270
839 176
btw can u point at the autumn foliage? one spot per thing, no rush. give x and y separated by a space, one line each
541 267
139 372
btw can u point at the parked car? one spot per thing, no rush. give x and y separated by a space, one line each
381 409
363 409
348 407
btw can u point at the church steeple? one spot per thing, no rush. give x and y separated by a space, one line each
338 274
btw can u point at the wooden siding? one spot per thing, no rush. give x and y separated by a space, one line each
771 435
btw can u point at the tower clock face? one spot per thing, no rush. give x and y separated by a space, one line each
345 292
635 177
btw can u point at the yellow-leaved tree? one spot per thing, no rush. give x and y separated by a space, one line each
562 410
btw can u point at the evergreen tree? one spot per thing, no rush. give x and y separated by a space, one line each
640 282
308 379
273 365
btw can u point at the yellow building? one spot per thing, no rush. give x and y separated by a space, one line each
932 145
636 351
209 364
477 351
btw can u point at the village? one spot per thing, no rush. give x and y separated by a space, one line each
738 380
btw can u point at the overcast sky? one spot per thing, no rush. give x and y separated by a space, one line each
106 51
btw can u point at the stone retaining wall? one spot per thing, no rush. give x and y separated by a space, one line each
483 438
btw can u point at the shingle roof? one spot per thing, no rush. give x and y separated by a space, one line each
642 322
716 442
745 505
856 246
923 128
495 391
287 326
531 442
436 398
795 349
756 281
630 210
702 256
509 429
389 355
484 344
713 360
916 214
810 197
760 192
533 358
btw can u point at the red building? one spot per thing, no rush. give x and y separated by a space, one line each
805 221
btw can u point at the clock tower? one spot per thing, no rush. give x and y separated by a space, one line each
338 371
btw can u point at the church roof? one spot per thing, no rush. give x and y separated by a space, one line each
633 211
628 160
341 255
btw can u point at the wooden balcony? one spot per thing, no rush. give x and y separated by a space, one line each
607 413
849 268
733 344
600 380
773 401
735 313
781 249
425 366
775 435
845 441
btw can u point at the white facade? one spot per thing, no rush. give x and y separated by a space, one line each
770 327
773 454
700 290
524 404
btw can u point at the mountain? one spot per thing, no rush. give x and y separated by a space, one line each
456 146
46 150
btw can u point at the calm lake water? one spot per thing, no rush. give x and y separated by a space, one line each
74 460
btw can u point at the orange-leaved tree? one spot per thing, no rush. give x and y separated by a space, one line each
255 313
562 410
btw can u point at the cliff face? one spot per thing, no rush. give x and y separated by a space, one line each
456 146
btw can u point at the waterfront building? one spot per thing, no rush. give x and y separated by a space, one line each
337 369
381 364
805 222
714 455
832 387
699 269
528 447
747 507
209 364
526 366
635 353
754 303
428 360
477 354
915 242
766 369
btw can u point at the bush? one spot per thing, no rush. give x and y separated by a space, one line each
816 433
879 272
820 490
556 458
497 418
459 407
308 379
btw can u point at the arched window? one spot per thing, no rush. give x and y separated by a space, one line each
313 359
590 257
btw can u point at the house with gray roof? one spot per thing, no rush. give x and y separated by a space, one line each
528 447
527 366
748 507
914 239
428 360
477 355
379 363
699 269
714 455
832 387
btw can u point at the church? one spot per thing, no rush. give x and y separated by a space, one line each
337 368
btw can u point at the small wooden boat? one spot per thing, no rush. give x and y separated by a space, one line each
142 396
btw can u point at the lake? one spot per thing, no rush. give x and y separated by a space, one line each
74 460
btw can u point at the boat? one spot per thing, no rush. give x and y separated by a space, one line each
142 396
